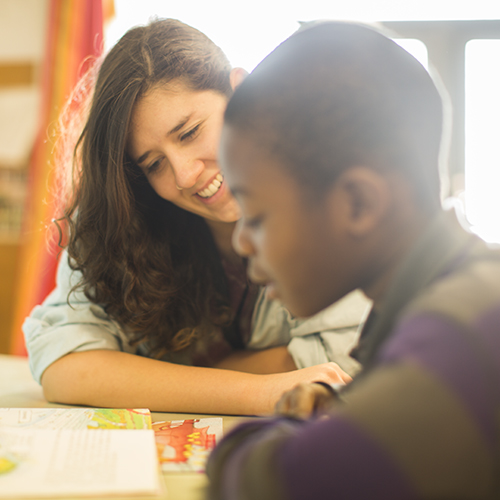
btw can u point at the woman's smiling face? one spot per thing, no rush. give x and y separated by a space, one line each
173 137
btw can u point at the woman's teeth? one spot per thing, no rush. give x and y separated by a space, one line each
212 188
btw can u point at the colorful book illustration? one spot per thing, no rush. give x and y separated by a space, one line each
52 452
184 445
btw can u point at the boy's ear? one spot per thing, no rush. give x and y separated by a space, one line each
365 196
237 76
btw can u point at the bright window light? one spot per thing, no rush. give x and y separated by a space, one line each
248 31
482 134
416 48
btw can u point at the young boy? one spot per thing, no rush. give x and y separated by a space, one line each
331 147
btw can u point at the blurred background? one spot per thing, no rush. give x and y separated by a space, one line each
43 44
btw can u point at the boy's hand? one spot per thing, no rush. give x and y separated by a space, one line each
305 400
280 383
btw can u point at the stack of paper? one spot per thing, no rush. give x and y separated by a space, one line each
76 452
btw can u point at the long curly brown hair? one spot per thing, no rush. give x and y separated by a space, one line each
152 265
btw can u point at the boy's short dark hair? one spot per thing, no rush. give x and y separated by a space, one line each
339 94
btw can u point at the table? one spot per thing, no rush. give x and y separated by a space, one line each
19 390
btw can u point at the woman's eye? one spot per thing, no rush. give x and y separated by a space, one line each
190 133
154 167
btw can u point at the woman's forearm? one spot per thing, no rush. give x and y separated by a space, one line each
272 360
116 379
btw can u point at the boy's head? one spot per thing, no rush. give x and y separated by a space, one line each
331 146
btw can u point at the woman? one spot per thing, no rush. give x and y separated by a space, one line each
149 240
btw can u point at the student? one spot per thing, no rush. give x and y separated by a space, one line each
153 297
331 146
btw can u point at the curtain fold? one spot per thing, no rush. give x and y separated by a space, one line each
74 34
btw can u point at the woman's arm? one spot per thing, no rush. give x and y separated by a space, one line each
57 328
106 378
272 360
78 351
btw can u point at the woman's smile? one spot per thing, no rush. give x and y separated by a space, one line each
212 188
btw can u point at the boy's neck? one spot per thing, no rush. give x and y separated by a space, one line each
399 240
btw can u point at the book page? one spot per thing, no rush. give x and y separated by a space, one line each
51 463
75 418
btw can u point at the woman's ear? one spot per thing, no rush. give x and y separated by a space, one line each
366 198
237 76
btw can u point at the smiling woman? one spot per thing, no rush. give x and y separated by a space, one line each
150 271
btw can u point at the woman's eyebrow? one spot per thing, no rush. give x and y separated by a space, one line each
142 157
180 124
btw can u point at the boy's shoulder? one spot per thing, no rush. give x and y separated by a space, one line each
467 292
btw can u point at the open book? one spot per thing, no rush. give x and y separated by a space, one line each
51 452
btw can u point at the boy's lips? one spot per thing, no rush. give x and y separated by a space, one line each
270 286
257 276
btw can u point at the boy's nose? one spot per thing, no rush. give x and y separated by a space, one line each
241 243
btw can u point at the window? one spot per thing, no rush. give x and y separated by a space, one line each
482 137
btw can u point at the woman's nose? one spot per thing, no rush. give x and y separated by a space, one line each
187 172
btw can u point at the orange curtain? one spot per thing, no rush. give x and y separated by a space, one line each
75 32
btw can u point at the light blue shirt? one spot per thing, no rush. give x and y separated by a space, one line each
60 326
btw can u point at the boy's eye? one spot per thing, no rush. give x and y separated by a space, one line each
189 134
253 222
